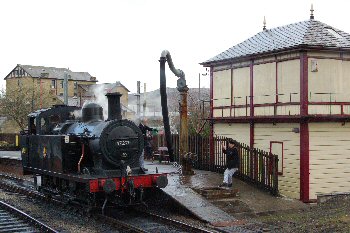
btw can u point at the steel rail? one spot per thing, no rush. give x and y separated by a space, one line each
179 224
22 215
120 225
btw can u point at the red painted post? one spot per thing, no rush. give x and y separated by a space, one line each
251 104
211 142
304 130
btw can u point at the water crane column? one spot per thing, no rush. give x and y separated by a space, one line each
183 89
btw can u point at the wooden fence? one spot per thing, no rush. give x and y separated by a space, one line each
8 137
256 166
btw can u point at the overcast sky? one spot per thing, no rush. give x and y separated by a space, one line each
122 40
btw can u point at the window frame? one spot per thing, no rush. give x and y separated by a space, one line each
280 170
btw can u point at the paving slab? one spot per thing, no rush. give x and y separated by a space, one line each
195 203
249 202
11 154
200 207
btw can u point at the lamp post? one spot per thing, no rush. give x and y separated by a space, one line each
199 82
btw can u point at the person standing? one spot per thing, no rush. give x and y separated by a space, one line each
144 128
148 145
232 162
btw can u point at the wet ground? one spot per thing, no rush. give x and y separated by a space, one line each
249 200
253 205
273 214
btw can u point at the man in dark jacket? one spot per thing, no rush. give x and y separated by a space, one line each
144 128
232 162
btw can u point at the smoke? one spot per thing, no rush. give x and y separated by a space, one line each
99 97
77 114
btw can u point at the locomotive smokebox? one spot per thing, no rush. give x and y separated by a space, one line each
114 106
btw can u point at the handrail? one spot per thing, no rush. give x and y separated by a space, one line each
233 106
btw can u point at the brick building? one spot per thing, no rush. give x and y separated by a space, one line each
47 78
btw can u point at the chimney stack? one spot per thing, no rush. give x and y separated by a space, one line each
114 106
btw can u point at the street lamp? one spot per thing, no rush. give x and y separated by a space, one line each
199 81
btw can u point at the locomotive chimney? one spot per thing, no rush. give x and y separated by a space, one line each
114 106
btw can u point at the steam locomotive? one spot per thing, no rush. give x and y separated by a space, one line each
89 158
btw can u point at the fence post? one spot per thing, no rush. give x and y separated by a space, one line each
199 152
275 175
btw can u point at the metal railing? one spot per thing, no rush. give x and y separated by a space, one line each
327 103
257 167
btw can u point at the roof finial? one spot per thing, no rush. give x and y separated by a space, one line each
312 11
264 22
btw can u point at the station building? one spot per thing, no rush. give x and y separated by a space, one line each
287 90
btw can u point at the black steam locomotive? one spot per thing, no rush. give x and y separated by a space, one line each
87 157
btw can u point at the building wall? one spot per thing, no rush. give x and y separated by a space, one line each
239 132
241 90
72 87
330 83
288 81
272 82
12 83
222 92
329 158
264 84
124 99
43 94
289 181
46 84
222 88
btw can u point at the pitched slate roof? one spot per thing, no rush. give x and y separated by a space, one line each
105 87
307 33
56 73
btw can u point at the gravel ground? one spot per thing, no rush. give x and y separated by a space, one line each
331 216
63 220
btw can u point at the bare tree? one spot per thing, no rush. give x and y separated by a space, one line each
18 102
198 111
174 107
198 114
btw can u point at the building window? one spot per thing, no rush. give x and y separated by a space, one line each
75 85
53 84
61 84
276 148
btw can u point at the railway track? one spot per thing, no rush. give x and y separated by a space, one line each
130 221
14 220
149 222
